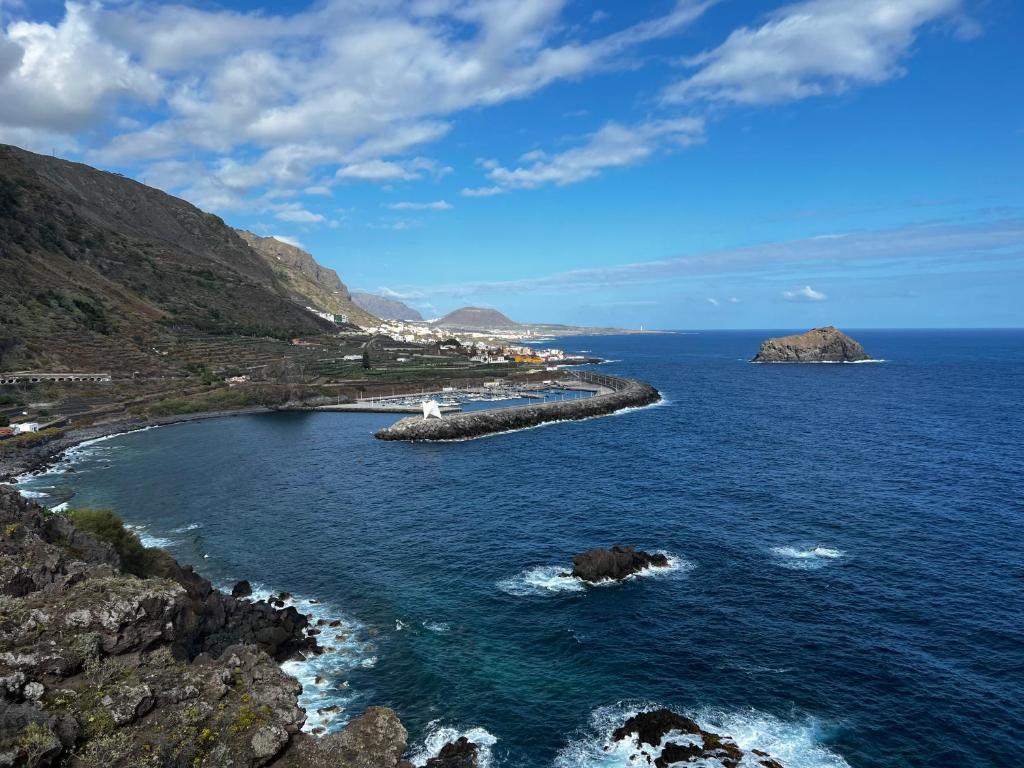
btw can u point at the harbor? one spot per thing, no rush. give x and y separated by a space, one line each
458 399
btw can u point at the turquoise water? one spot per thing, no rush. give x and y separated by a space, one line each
846 540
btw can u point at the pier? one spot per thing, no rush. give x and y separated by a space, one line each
608 395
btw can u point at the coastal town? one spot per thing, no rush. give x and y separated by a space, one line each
352 364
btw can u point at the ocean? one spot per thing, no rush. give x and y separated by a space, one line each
847 542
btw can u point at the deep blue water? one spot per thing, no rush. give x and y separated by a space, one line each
849 542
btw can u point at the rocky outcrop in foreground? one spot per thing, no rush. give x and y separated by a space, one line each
614 564
693 745
463 426
819 345
462 753
112 655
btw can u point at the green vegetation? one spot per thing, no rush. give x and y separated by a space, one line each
37 741
221 399
105 525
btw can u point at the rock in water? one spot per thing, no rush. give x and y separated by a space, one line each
615 564
242 589
685 743
818 345
455 754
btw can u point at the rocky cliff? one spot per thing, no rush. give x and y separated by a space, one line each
819 345
111 655
97 269
463 426
388 309
308 281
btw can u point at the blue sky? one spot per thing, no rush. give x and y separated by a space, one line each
673 164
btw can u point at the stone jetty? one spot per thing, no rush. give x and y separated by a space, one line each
614 394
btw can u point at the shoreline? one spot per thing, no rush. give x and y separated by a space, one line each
37 458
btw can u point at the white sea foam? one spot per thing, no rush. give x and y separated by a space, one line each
26 493
794 744
326 695
438 735
540 580
549 579
436 626
148 540
187 528
806 558
62 507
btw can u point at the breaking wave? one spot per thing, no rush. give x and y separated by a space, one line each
438 735
806 558
544 580
326 695
794 744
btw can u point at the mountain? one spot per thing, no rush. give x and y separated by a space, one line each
97 271
307 281
389 309
476 319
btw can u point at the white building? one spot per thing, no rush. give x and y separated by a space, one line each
25 426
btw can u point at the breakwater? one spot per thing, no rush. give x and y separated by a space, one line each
614 394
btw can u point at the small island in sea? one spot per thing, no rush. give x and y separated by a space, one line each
818 345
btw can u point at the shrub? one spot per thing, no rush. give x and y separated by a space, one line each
105 525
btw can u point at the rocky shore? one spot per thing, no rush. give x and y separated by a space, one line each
115 655
628 393
34 458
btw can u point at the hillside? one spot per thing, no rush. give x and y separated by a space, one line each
308 281
96 270
388 309
476 318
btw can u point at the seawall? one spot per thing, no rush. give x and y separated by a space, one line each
625 393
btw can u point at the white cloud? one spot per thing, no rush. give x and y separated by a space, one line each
375 170
614 145
481 191
289 241
803 293
713 302
935 247
733 300
437 205
65 77
386 170
808 49
294 212
283 101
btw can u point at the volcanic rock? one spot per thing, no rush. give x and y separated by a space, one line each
818 345
241 589
614 564
462 753
693 745
103 667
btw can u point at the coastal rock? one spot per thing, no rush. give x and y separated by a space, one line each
614 564
375 739
241 589
103 667
628 393
685 742
461 753
818 345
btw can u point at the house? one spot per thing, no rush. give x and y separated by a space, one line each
25 426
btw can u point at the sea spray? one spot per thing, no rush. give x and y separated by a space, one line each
794 744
